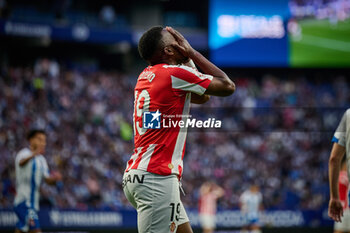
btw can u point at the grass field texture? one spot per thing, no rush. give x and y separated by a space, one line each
321 44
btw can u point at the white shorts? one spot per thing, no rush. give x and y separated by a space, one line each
344 225
207 221
156 199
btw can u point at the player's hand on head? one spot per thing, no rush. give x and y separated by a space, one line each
335 210
181 43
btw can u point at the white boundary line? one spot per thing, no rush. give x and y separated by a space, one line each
325 43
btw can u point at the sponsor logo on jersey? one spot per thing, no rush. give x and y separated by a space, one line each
133 179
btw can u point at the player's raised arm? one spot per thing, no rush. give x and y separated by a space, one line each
221 85
37 151
199 99
219 192
24 161
195 98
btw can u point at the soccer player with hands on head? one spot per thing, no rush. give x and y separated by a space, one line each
169 84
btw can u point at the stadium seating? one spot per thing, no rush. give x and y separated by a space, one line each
276 133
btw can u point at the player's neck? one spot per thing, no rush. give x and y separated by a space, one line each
165 61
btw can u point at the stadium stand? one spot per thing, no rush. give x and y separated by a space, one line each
88 117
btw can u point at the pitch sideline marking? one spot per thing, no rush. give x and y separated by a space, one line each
326 43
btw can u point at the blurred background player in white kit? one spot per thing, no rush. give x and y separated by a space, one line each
31 168
209 194
250 204
336 203
344 225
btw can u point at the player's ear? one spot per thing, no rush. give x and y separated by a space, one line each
169 50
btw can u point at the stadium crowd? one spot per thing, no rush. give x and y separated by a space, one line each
276 133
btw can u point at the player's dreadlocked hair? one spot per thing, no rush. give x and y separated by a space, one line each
150 42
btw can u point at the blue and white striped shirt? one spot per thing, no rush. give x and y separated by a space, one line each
29 178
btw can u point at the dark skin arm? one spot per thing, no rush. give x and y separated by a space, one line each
195 98
221 85
335 210
199 99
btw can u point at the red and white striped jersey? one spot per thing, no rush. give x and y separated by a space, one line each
167 89
207 203
344 189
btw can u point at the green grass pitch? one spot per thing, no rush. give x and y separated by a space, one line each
321 44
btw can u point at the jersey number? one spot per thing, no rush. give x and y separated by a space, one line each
141 105
173 213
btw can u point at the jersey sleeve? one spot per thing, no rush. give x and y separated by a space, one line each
23 154
343 180
188 79
339 135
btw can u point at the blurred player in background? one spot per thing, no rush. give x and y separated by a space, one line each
209 194
341 145
344 225
151 179
250 204
31 168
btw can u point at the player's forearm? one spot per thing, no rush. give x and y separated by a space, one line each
26 160
209 68
337 154
51 180
196 99
334 169
199 99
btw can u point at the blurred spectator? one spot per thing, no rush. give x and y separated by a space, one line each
107 14
94 191
45 67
